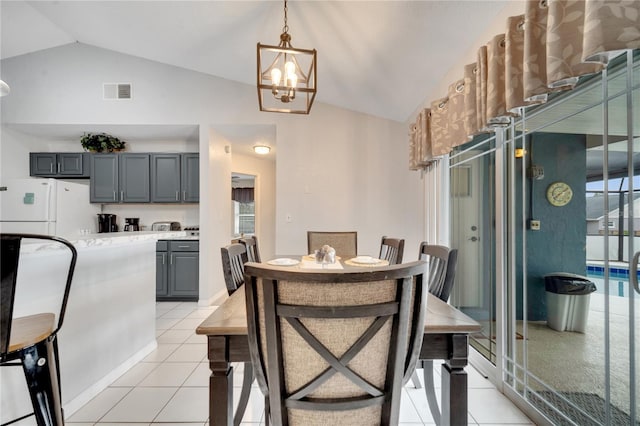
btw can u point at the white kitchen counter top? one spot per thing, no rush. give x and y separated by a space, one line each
110 239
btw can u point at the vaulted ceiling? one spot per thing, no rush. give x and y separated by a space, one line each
377 57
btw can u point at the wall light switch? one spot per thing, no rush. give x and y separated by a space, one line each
289 218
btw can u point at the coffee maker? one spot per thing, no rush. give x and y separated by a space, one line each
107 223
132 224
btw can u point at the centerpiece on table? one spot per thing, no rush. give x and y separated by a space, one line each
101 142
326 254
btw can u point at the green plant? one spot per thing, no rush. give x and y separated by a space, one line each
100 142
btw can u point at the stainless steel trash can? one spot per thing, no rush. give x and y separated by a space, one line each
568 301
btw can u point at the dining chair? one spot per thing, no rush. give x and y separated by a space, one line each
234 256
30 340
391 249
442 269
345 243
251 243
335 347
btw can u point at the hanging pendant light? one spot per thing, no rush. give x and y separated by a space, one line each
288 82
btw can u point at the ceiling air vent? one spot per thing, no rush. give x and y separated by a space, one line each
116 90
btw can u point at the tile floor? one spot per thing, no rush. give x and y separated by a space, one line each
170 386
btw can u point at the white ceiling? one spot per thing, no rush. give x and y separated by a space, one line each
377 57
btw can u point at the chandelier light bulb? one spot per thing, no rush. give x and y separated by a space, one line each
293 80
290 68
276 74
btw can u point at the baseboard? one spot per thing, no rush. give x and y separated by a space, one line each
87 395
216 298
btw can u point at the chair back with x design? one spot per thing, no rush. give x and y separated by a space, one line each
335 347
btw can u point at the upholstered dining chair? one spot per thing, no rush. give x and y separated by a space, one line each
234 256
333 348
442 271
391 249
251 243
345 243
30 340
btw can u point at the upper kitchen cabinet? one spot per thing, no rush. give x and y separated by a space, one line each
120 178
175 178
59 164
191 178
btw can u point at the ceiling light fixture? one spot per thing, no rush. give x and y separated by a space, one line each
288 83
261 149
4 88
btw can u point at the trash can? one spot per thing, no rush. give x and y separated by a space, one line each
568 301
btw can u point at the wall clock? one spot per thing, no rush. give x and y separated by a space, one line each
559 194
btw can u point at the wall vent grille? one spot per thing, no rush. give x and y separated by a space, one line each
116 91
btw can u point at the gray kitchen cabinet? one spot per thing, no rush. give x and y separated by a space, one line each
119 178
59 164
190 180
162 269
134 178
175 178
177 270
165 178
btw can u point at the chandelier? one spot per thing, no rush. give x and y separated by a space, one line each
288 82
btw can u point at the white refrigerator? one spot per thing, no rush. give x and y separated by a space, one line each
47 206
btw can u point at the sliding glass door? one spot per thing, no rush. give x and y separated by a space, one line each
573 225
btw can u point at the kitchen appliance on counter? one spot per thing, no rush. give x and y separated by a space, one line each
193 231
132 224
165 226
107 223
46 206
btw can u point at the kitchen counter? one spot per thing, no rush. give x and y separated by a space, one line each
110 320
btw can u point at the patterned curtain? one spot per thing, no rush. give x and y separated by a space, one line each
546 49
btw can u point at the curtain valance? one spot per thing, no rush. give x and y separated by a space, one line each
242 195
544 50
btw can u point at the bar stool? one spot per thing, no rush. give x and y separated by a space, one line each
30 341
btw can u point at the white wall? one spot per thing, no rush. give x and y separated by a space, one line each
336 169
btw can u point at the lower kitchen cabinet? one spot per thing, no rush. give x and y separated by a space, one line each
177 264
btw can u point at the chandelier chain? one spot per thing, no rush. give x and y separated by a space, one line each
285 29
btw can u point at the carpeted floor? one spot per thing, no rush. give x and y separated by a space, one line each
584 409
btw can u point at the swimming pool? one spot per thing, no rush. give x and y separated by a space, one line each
619 284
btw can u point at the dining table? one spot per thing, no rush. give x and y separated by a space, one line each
446 337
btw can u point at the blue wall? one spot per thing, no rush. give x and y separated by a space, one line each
560 244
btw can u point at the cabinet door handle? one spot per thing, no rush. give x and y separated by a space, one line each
115 197
183 246
177 195
171 260
121 195
184 195
58 168
163 258
51 168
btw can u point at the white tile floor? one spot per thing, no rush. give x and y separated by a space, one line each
170 386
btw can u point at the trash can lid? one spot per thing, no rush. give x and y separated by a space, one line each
565 283
566 274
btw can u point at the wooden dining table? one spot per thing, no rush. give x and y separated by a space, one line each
446 337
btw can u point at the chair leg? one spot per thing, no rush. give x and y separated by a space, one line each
247 380
430 390
416 380
41 373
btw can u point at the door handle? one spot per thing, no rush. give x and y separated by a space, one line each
474 239
633 273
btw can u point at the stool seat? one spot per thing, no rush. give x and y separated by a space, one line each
29 330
